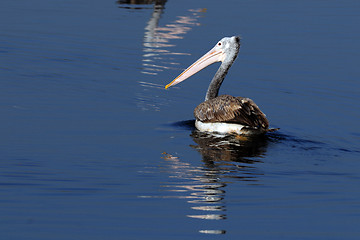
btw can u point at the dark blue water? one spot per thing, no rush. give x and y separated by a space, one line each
93 147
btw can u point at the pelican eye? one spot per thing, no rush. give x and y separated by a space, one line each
219 44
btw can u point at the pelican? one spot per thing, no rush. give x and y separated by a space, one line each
224 114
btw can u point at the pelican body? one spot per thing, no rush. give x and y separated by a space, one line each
224 114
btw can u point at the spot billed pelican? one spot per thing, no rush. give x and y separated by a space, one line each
224 114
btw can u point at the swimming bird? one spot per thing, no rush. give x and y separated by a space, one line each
224 114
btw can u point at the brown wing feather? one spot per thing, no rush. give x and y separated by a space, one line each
229 109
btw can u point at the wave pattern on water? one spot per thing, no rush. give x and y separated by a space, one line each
157 55
226 159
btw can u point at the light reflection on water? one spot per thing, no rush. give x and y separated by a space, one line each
157 43
157 37
157 55
225 160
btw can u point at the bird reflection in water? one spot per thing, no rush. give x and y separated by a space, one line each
221 150
225 159
157 37
140 2
157 43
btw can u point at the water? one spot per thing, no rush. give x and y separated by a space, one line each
93 147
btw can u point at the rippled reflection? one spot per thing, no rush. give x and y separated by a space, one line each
157 54
141 2
213 231
225 160
220 151
157 39
158 42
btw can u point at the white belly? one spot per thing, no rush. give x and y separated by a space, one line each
225 128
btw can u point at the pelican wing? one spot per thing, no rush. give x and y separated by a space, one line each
229 109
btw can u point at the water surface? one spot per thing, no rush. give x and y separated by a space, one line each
93 147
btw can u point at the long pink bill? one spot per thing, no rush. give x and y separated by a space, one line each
214 55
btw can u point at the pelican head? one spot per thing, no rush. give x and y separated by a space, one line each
225 51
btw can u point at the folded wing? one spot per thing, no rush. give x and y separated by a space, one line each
229 109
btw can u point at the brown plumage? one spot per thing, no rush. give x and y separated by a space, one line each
224 114
229 109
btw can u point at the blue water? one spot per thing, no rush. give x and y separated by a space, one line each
93 147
